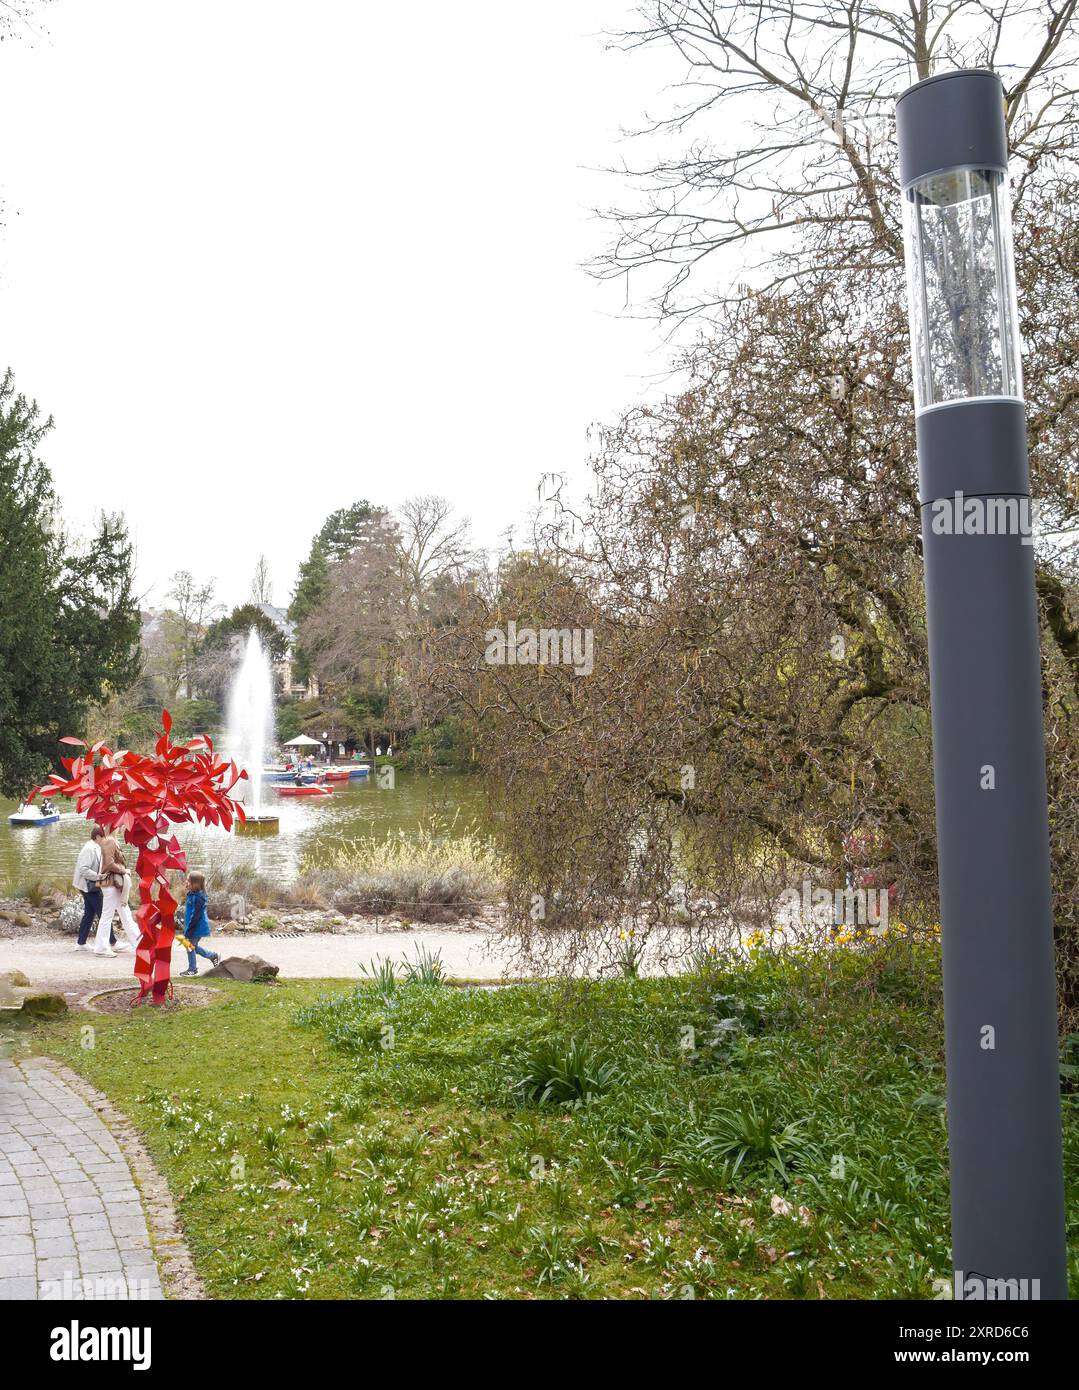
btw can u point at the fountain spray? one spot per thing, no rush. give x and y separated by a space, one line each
251 719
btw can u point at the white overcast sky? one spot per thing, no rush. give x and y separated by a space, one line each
261 259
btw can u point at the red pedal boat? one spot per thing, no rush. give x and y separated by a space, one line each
303 791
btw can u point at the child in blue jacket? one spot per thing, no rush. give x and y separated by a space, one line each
196 923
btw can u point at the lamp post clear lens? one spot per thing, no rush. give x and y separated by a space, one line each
964 326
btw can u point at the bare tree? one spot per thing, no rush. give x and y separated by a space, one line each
20 19
758 712
261 584
20 22
193 608
434 547
787 108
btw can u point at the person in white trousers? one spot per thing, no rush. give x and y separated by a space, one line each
116 888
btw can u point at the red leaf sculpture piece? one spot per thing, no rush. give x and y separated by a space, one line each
141 796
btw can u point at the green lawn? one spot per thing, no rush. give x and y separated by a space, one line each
775 1130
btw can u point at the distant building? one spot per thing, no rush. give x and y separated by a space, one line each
213 676
283 667
151 627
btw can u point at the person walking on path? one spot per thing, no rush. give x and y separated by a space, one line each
116 887
196 924
87 872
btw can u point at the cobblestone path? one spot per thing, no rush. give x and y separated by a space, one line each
72 1223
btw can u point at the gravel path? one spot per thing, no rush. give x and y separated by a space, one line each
54 961
72 1224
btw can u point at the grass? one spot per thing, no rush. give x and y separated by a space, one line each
772 1129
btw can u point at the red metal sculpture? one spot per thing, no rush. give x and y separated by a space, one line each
141 796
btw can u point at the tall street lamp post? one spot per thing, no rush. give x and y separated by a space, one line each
985 678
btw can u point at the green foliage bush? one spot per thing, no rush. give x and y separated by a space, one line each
444 745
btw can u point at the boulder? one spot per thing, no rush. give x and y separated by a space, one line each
249 969
70 916
17 996
42 1003
217 907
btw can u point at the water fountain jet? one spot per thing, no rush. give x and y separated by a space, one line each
250 731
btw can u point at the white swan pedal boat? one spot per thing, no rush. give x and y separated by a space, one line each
33 814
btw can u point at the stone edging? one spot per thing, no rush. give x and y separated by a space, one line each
179 1278
85 1002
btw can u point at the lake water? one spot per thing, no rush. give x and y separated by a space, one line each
309 825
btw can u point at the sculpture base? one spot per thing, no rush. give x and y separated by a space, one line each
259 825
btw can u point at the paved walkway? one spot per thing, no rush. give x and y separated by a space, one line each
71 1220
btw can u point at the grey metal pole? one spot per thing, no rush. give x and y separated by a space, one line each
985 677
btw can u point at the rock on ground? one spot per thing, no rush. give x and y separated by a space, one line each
18 996
250 969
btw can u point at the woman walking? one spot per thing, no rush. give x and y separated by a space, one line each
116 886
